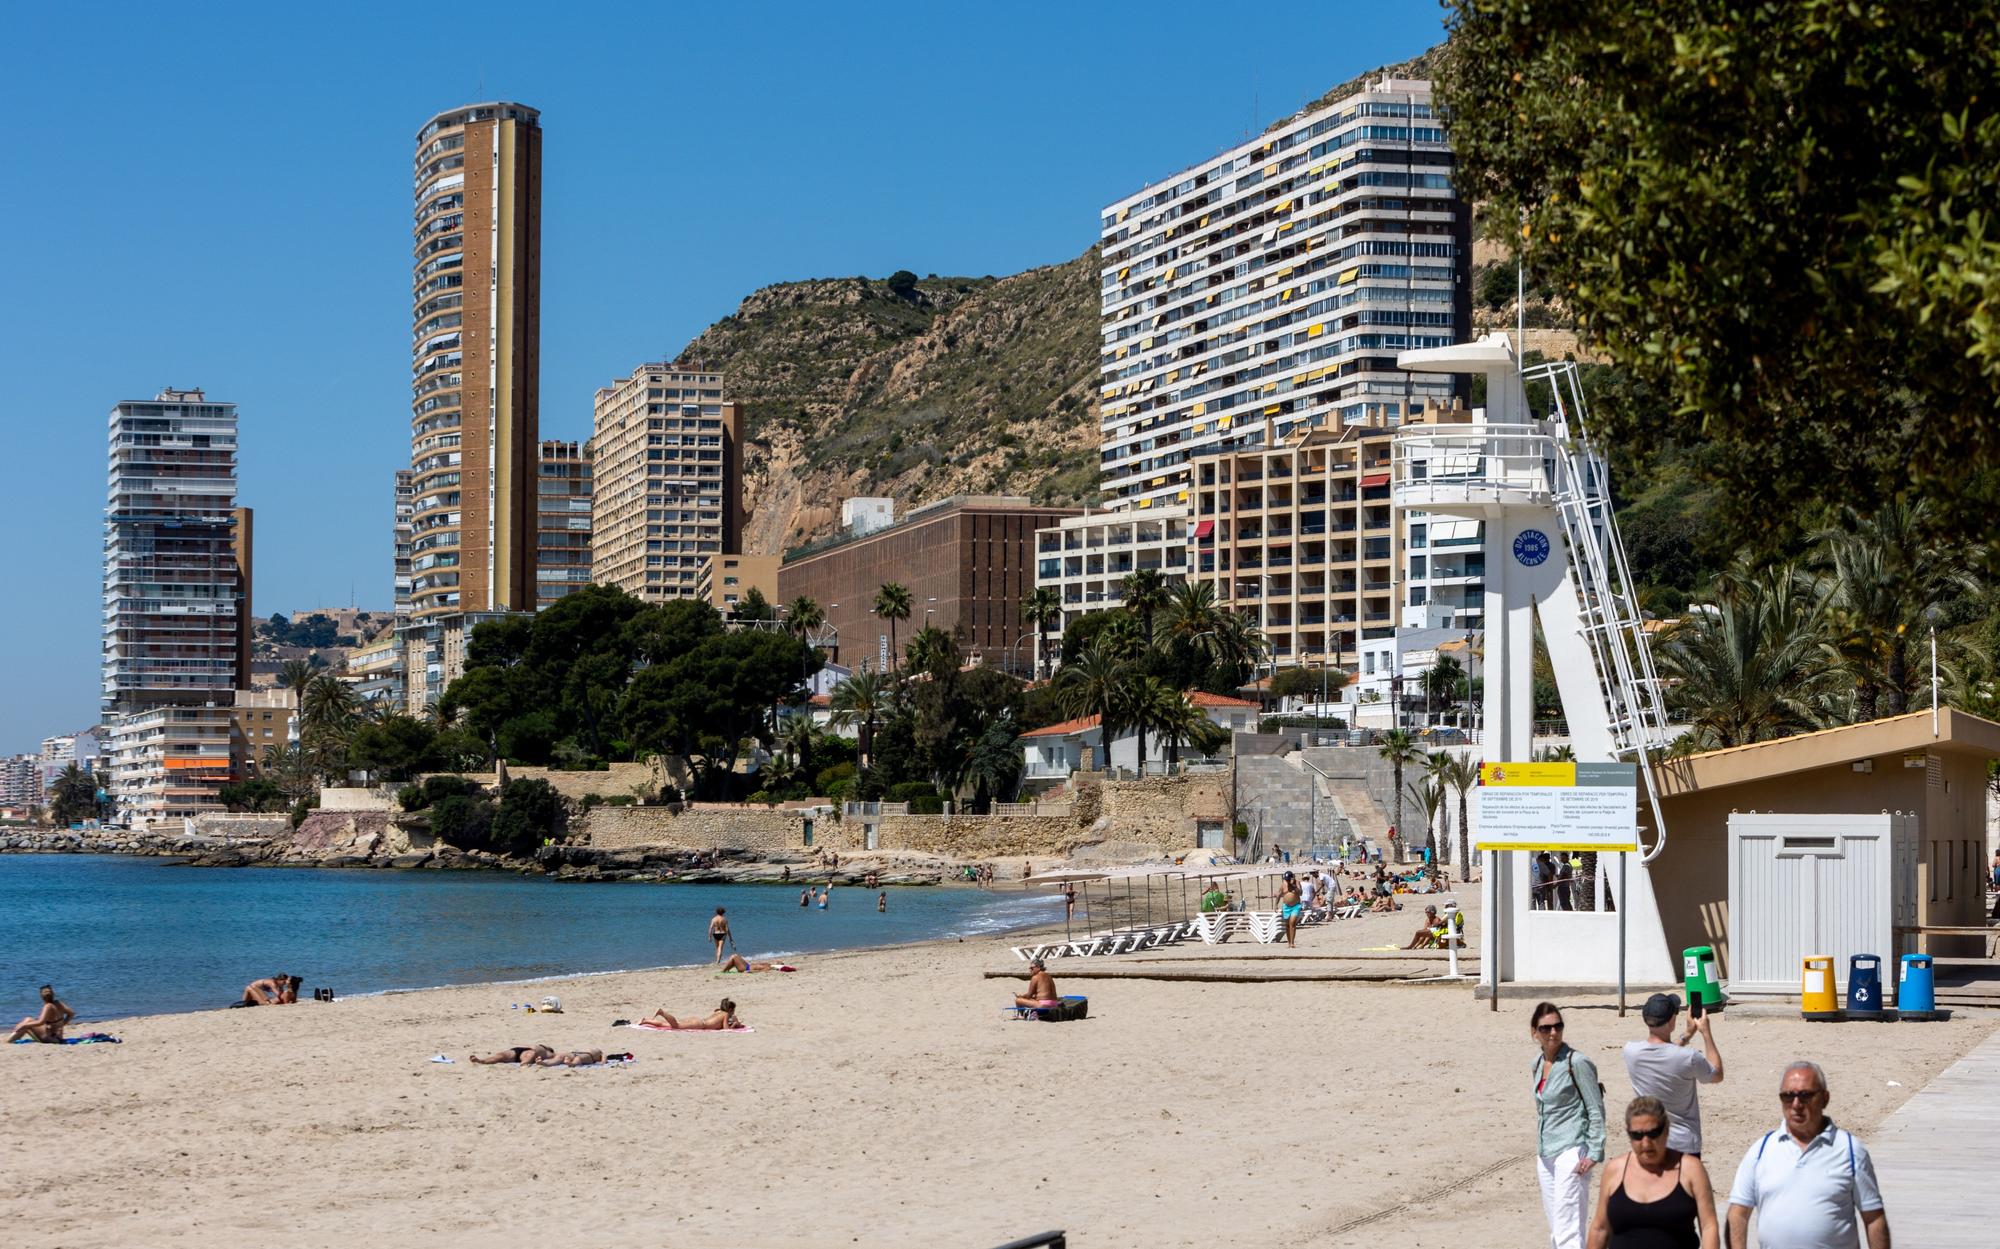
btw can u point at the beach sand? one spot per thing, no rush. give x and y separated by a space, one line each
883 1099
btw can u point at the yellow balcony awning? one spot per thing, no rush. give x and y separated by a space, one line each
1315 331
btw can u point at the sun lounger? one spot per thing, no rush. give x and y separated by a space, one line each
1351 911
1266 926
1212 927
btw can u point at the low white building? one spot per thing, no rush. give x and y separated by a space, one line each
1368 696
1057 750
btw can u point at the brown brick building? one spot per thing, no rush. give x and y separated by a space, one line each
476 362
968 561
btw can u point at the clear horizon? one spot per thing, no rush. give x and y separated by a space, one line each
197 205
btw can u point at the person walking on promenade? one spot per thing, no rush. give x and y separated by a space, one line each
1807 1179
1569 1127
1667 1069
1655 1197
718 932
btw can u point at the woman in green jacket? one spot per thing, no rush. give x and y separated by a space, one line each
1569 1128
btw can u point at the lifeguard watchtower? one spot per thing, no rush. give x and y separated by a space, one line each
1553 552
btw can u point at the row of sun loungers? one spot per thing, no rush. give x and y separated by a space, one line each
1213 928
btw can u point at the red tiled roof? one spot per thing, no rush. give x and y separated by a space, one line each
1202 698
820 700
1068 728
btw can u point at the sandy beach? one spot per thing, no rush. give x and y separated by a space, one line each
883 1099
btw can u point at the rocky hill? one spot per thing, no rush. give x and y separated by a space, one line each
917 388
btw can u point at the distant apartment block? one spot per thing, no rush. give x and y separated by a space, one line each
20 782
434 655
1086 558
405 534
177 555
724 580
58 752
259 721
376 671
170 763
667 463
1271 287
968 561
475 360
562 528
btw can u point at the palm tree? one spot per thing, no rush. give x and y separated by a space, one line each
1154 706
1041 610
1144 593
993 765
1228 639
1185 722
73 797
1429 797
931 650
1097 684
1751 666
295 675
1881 578
892 603
1461 774
797 742
289 767
859 701
803 617
329 705
1399 748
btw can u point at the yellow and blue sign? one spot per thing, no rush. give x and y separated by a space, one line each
1557 806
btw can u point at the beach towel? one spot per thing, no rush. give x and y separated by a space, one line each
88 1038
1070 1006
649 1026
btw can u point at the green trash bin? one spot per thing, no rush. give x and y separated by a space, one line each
1698 977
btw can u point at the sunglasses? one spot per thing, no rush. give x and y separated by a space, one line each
1650 1134
1548 1027
1791 1095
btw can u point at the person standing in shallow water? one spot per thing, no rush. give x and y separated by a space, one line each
718 931
882 901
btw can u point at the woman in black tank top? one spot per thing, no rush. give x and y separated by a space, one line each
1654 1198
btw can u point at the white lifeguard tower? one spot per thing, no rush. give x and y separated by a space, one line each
1552 550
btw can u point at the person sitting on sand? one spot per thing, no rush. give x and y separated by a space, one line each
721 1019
1384 904
269 991
737 963
290 993
1427 936
1041 987
520 1055
46 1025
574 1058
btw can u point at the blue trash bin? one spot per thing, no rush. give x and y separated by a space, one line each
1864 982
1916 987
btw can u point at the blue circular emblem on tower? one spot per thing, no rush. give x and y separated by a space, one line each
1531 547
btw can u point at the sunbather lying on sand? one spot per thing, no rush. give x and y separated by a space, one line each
721 1019
574 1058
736 962
520 1055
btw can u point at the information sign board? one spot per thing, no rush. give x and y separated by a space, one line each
1557 806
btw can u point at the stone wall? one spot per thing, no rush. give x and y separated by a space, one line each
222 824
626 780
381 798
1144 818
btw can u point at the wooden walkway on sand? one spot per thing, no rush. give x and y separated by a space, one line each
1935 1155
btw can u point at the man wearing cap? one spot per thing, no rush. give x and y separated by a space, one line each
1667 1069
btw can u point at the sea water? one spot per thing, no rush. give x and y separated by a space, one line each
132 936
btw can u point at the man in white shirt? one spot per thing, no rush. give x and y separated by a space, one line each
1808 1179
1667 1069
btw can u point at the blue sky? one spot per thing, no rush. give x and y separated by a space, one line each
223 201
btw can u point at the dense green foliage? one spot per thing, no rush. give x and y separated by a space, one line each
1778 215
257 794
314 632
601 675
73 796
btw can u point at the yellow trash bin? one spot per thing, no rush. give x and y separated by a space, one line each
1816 996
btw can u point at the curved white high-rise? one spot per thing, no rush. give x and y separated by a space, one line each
475 360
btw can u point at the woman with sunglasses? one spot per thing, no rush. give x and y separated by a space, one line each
1654 1197
1569 1128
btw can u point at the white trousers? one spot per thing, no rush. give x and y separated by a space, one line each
1565 1198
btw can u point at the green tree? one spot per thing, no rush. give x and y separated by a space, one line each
1042 610
1428 794
73 796
1184 724
1097 684
1751 665
993 765
1400 749
1145 594
1460 774
295 675
1779 216
892 603
931 651
804 617
256 794
1883 574
754 606
705 705
531 812
860 702
1444 683
394 748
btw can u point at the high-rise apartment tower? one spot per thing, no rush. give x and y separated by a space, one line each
406 509
1272 286
667 467
476 360
562 537
176 556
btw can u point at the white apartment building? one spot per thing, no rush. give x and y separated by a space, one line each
405 535
1275 283
20 782
169 763
60 751
1087 558
668 480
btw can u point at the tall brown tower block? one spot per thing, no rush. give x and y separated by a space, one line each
476 360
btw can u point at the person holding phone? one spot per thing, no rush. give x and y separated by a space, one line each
1671 1071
